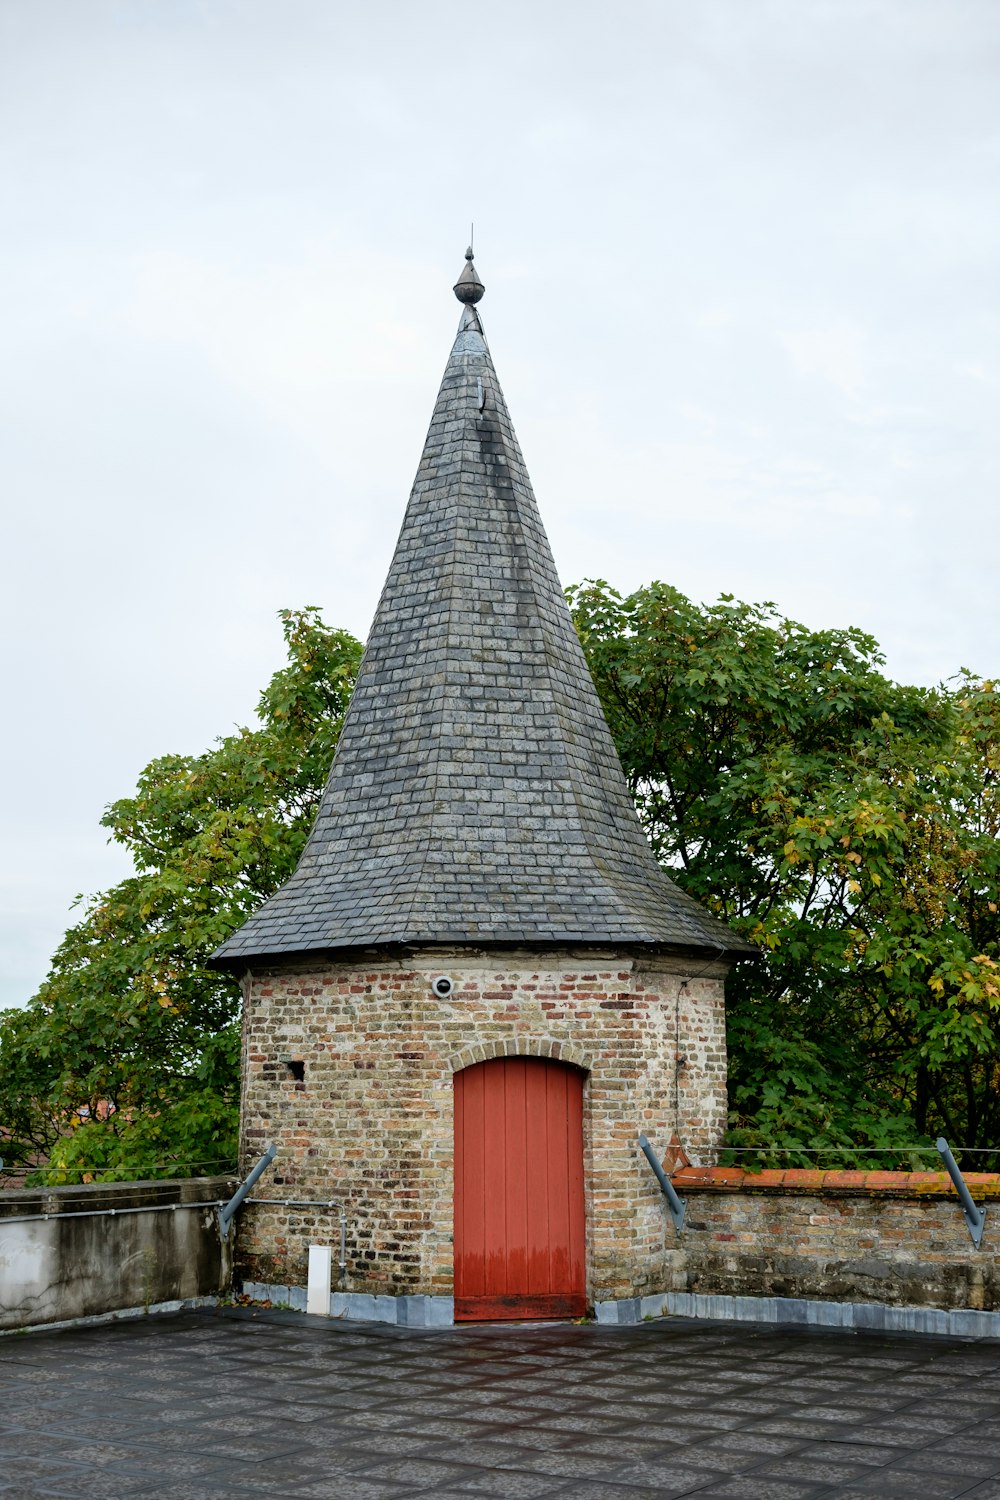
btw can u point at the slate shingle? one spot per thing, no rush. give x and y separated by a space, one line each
476 794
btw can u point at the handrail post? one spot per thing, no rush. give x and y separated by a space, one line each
674 1203
228 1213
974 1217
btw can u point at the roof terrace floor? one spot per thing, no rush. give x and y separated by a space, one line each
242 1402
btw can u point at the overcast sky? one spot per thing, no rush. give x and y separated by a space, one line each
741 260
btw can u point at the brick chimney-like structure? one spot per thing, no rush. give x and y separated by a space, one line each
479 986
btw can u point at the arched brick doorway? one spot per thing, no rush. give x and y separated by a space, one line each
520 1230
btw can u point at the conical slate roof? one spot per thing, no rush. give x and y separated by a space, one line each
476 795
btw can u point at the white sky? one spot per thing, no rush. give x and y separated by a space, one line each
741 261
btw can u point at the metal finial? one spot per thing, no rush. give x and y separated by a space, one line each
468 288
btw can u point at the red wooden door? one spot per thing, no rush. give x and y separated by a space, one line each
519 1214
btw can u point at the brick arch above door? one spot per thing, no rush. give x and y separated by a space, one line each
521 1046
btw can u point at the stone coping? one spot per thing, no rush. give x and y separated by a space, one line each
799 1180
100 1197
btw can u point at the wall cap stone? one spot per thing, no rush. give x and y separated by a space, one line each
97 1197
799 1180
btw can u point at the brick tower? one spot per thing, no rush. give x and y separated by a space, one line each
479 985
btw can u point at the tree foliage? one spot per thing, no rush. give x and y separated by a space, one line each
126 1061
848 827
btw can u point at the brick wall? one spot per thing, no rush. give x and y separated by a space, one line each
887 1237
371 1120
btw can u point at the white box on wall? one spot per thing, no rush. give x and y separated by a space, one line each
320 1274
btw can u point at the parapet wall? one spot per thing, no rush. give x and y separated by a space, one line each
75 1252
844 1249
893 1238
876 1250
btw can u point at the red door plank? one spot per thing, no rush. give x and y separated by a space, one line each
519 1204
491 1149
515 1148
537 1182
470 1169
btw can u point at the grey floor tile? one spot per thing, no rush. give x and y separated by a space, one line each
491 1457
597 1490
523 1435
869 1455
900 1484
625 1448
573 1465
817 1471
207 1490
748 1443
418 1472
378 1413
342 1487
664 1477
87 1486
509 1486
756 1487
954 1460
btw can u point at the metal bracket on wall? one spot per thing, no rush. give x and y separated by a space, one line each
674 1204
228 1213
974 1217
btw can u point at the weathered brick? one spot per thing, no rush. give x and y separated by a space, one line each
371 1123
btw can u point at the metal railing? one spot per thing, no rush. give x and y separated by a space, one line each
110 1213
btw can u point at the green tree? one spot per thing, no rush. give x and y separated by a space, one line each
126 1061
847 826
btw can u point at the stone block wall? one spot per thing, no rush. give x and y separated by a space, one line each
894 1238
349 1070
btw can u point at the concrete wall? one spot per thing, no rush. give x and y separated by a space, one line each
63 1255
370 1121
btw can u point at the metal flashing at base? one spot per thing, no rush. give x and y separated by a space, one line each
804 1312
362 1307
93 1320
631 1309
